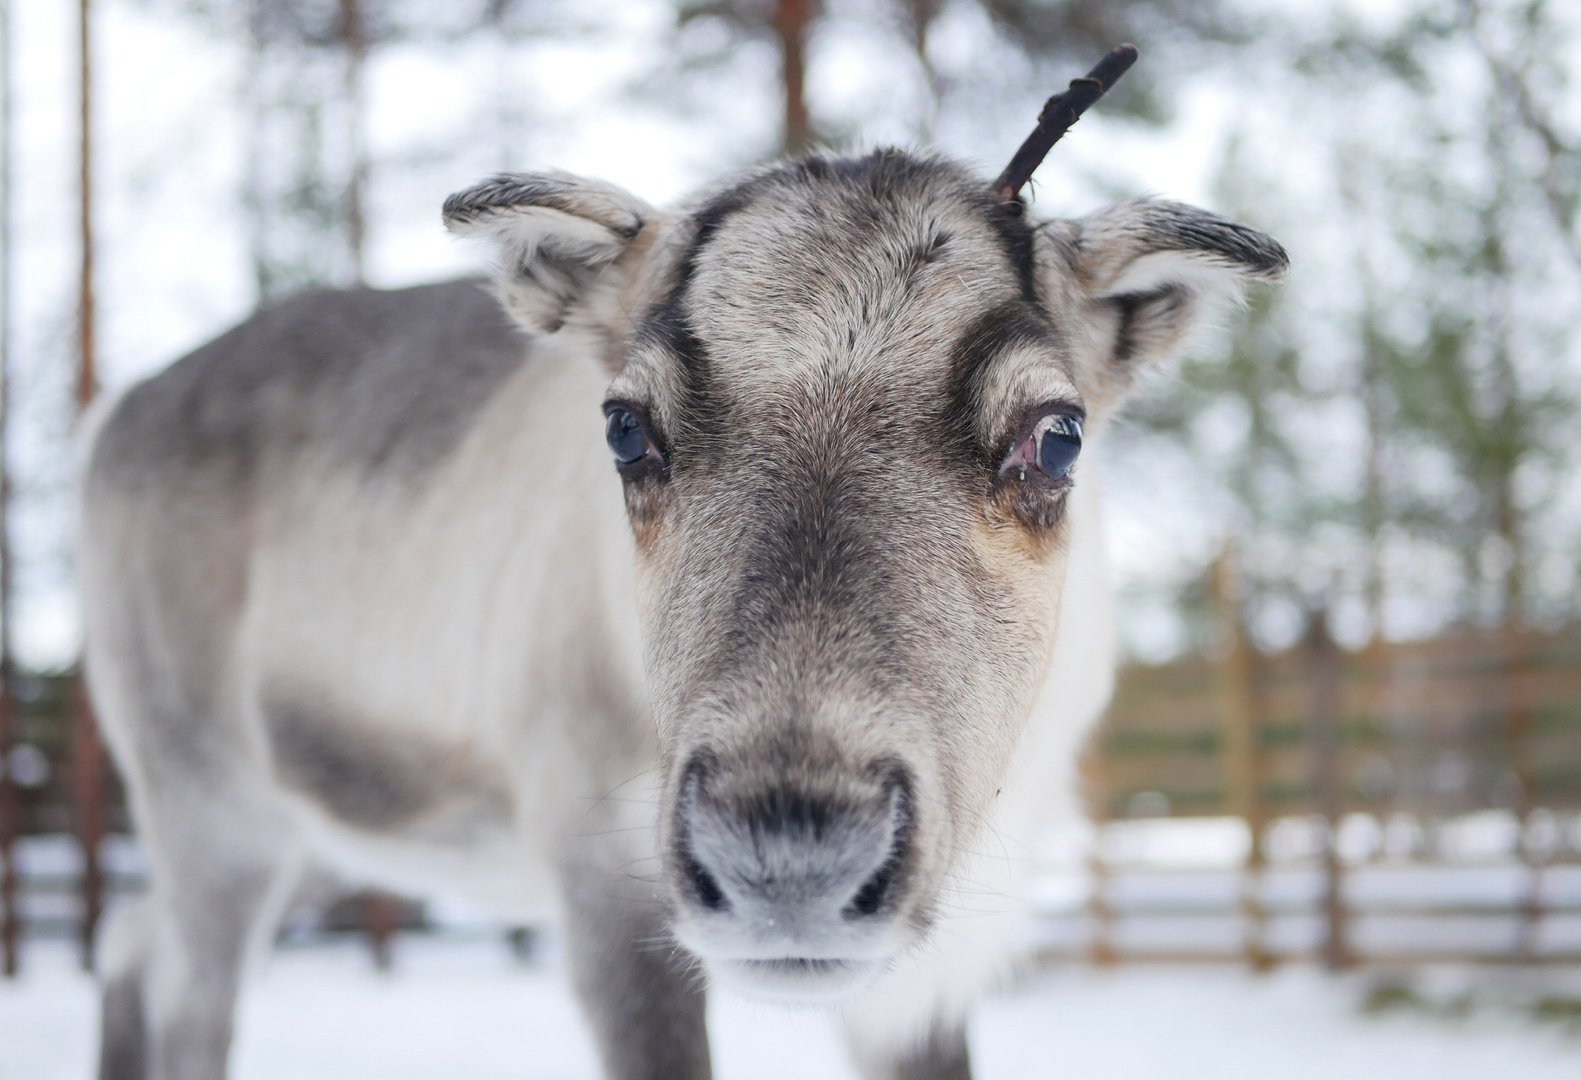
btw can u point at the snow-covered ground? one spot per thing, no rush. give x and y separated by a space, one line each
465 1010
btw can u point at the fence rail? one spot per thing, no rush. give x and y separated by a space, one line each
1407 741
1408 744
1441 727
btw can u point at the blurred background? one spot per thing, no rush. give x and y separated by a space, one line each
1346 529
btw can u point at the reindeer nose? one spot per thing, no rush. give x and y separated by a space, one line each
792 863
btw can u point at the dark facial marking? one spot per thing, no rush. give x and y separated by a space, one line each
668 329
1017 238
705 224
984 342
812 556
667 325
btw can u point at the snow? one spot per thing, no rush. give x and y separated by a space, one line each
459 1005
463 1008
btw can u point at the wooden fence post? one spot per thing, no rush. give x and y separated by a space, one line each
1518 732
1327 674
88 775
1101 951
1242 753
1100 912
10 829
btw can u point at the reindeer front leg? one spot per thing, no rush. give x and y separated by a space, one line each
641 994
941 1056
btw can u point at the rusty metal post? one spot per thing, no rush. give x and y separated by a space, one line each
88 761
10 795
1242 754
381 918
1327 673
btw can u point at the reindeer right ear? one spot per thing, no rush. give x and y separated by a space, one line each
556 235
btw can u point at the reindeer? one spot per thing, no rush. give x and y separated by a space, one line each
779 705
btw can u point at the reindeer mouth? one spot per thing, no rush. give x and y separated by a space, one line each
797 979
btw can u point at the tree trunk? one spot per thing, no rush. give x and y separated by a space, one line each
10 796
354 35
791 18
87 750
87 379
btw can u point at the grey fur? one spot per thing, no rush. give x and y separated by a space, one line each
357 581
587 225
376 781
556 191
643 996
943 1056
1155 225
383 381
123 1041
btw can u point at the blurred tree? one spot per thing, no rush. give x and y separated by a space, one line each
1402 439
1061 37
305 193
1073 34
785 23
1471 357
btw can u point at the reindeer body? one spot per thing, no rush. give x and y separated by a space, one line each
361 591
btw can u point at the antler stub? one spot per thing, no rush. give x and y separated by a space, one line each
1059 113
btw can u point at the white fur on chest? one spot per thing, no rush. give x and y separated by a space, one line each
479 609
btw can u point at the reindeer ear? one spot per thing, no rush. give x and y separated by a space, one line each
1153 270
556 235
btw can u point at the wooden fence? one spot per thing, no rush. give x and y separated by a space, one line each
1420 734
55 780
1424 733
1437 728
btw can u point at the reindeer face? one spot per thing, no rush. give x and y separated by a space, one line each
848 423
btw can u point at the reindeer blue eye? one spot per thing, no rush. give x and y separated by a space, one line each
1047 450
1059 445
626 439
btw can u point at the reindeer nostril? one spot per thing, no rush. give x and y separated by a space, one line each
709 894
703 885
871 895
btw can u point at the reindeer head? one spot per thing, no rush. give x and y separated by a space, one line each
849 402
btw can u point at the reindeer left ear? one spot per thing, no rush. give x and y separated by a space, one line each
1152 270
556 234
